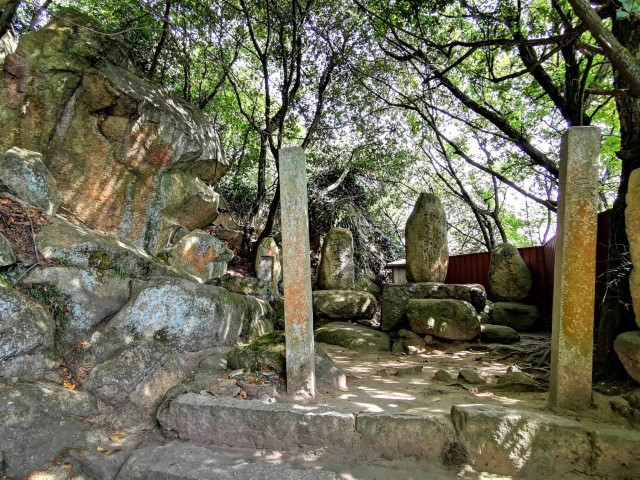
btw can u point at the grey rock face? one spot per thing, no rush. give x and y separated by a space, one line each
246 286
24 174
92 296
343 305
632 227
395 299
627 347
73 245
448 319
427 251
26 335
39 421
137 377
7 255
518 316
191 316
499 334
336 270
510 279
201 255
354 337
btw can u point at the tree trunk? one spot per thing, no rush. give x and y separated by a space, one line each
6 15
616 315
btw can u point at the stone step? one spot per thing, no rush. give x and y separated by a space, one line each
186 461
492 439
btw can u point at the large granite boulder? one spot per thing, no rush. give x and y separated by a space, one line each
510 279
40 421
201 255
632 226
7 255
24 174
518 316
343 305
128 158
354 337
395 299
91 295
68 244
268 248
269 351
137 377
190 316
26 335
448 319
336 270
627 346
427 251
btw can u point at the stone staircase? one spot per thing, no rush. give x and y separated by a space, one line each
330 443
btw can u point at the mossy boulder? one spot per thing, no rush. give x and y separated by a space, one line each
448 319
270 351
354 337
336 270
343 305
268 248
510 279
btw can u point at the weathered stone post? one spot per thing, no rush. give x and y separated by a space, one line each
574 271
298 302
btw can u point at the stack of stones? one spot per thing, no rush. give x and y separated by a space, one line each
510 282
336 298
426 307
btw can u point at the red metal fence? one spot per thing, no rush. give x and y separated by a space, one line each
474 267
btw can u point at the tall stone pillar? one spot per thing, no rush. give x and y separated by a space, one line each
574 271
298 302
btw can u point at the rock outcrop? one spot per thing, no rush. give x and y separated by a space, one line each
128 158
201 255
336 270
510 279
427 251
343 305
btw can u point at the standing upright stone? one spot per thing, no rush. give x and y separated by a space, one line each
509 277
336 270
268 248
298 302
574 271
426 241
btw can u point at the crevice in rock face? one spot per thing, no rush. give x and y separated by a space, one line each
64 122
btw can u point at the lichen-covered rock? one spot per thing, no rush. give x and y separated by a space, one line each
509 277
448 319
427 250
354 337
24 174
26 335
7 255
268 248
247 286
343 305
408 342
68 244
40 421
518 316
92 296
632 227
627 346
118 146
499 334
395 299
336 270
201 255
190 316
137 377
269 351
